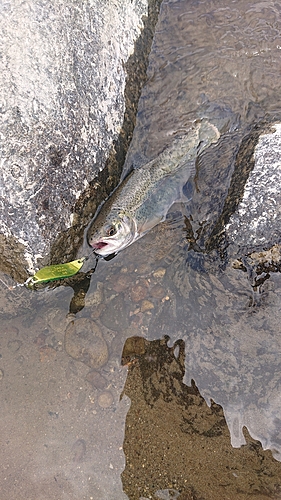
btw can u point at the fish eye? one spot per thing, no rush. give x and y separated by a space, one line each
111 230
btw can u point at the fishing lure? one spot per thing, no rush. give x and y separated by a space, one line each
55 272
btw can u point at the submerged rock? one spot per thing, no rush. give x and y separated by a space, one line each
105 399
111 317
84 342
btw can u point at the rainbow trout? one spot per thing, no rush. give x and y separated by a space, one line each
144 197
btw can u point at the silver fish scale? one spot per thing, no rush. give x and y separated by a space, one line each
166 192
145 181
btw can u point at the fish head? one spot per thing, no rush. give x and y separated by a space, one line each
108 235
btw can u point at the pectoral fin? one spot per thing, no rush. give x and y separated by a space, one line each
149 224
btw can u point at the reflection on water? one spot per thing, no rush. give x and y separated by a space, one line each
175 442
62 420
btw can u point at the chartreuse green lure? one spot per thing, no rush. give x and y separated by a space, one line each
55 272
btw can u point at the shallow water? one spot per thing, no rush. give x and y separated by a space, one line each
130 424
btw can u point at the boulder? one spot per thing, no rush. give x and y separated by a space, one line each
70 77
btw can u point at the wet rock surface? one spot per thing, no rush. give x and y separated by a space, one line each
63 118
256 222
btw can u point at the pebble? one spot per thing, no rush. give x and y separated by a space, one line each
143 269
84 342
138 292
14 345
158 292
146 305
47 354
96 311
57 319
159 273
1 374
96 298
41 339
105 399
115 316
122 282
96 379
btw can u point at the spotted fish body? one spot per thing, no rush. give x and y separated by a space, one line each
143 199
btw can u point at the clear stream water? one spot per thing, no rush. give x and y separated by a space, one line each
68 431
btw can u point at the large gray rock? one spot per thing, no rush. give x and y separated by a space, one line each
67 79
256 223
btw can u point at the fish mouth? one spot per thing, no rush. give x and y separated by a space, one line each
99 245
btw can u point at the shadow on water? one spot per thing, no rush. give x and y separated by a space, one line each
65 430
